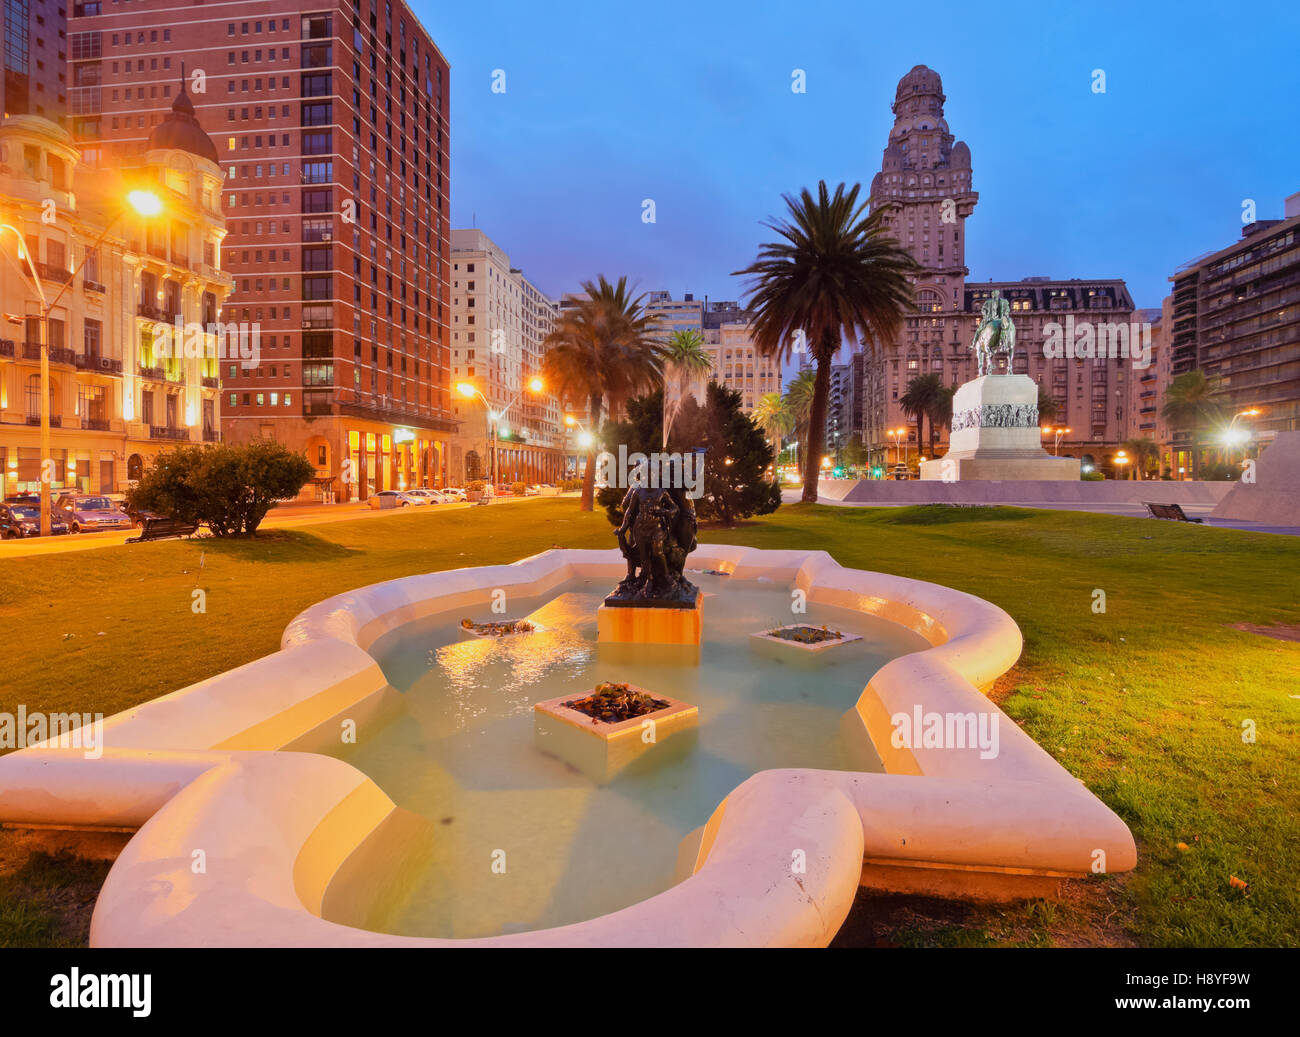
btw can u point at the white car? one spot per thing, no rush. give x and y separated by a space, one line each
428 495
395 499
454 493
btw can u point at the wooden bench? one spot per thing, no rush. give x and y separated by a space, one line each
1173 512
162 529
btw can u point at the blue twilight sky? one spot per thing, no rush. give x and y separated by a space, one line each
690 104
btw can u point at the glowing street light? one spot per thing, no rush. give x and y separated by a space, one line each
144 203
1058 432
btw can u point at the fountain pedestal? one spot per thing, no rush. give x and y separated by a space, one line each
635 623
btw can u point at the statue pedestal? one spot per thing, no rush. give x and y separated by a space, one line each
995 435
619 624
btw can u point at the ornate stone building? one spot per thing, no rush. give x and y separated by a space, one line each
925 187
117 283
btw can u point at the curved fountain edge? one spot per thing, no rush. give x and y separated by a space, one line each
180 768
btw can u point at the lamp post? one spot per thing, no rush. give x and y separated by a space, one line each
145 203
1058 433
1234 436
585 440
469 391
1121 459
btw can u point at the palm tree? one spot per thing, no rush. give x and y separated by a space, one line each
686 363
602 351
773 416
835 276
799 401
919 400
1189 404
941 412
1143 452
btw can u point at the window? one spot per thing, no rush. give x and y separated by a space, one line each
317 172
317 200
316 84
317 228
317 113
319 142
317 258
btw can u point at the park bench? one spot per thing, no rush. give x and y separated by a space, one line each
161 529
1173 512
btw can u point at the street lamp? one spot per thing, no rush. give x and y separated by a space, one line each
469 391
1058 432
1121 459
146 204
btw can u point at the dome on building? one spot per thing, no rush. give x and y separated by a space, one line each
921 80
181 131
960 155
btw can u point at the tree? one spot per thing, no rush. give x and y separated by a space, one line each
856 455
686 364
773 416
230 487
941 412
837 275
919 401
1190 406
798 401
736 453
1145 454
602 351
1047 408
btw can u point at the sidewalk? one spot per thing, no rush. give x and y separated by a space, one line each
288 516
1116 508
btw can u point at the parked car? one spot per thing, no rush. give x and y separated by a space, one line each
427 494
454 492
532 491
394 499
24 520
90 513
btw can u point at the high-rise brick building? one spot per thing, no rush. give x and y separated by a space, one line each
35 59
1235 318
331 127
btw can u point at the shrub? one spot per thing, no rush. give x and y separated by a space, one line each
517 489
476 486
1093 476
229 487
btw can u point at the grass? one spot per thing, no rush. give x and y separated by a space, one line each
1144 702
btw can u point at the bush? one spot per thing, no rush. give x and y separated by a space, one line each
1093 476
517 489
229 487
476 486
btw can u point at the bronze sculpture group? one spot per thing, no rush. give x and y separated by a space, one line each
656 535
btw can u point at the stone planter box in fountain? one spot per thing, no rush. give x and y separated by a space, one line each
786 648
491 630
599 749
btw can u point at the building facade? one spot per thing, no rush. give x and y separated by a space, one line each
1235 318
736 361
124 381
925 187
499 323
35 59
331 128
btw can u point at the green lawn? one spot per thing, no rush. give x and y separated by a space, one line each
1145 703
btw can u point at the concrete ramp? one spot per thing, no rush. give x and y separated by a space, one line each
1274 497
1030 493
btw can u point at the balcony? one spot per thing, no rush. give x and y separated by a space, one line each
166 432
100 364
56 421
95 424
211 435
7 347
93 286
57 274
155 373
210 382
156 313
